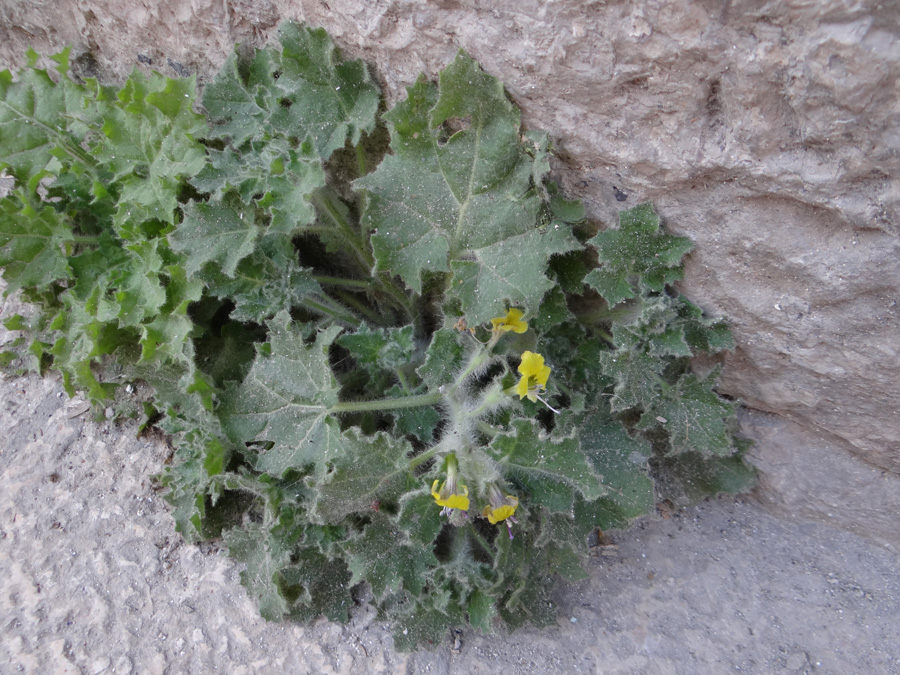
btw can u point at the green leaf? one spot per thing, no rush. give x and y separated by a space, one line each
482 611
444 358
215 232
199 455
638 377
567 210
265 558
550 469
304 89
135 291
704 334
420 517
149 145
42 123
529 599
382 557
553 311
284 401
33 245
367 470
266 282
636 253
271 174
690 477
664 326
322 586
622 461
511 269
466 203
379 349
694 416
420 422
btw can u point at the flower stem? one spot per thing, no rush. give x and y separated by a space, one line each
401 403
338 281
487 429
478 359
330 205
424 457
326 203
332 309
360 307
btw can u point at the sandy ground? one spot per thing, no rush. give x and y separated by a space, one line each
94 579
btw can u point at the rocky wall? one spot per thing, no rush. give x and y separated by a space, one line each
768 132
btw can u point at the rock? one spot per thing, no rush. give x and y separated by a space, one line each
767 132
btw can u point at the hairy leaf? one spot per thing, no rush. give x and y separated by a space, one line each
366 471
383 558
149 145
443 358
540 463
303 89
322 586
458 195
268 281
265 558
272 175
622 461
33 245
43 123
694 416
215 232
636 253
284 401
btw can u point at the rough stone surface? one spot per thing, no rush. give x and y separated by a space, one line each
768 131
93 579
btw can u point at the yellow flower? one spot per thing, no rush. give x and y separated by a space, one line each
496 514
500 508
534 376
451 496
511 322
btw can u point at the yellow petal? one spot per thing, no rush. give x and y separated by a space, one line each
457 501
522 387
497 514
501 513
533 366
531 363
435 493
514 321
511 322
454 501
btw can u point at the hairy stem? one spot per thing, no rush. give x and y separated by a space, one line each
330 308
346 283
402 403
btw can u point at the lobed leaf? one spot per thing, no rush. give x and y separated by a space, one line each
458 195
387 561
367 470
694 416
33 245
548 468
622 461
265 558
215 232
285 400
636 253
304 89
